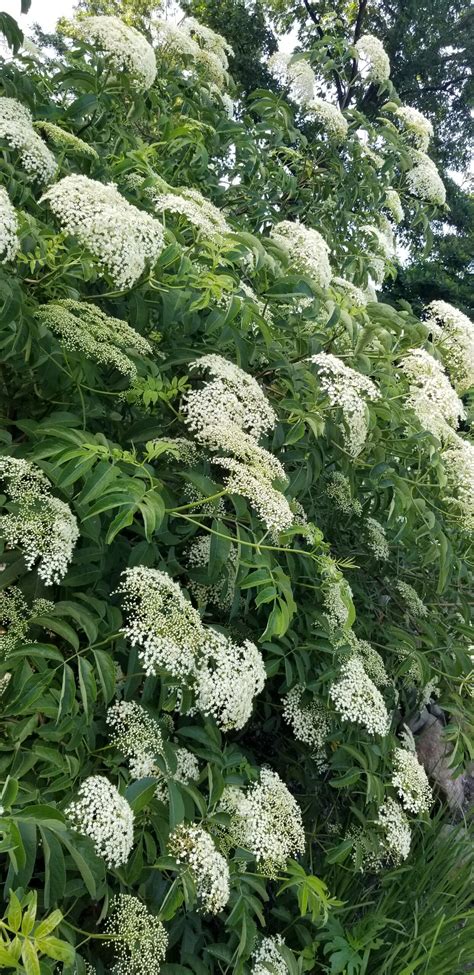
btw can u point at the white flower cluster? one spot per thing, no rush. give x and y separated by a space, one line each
408 739
363 138
171 636
374 60
353 295
431 396
338 488
296 73
357 699
458 461
386 842
187 770
164 625
378 270
394 205
309 722
123 239
193 206
42 525
330 118
141 938
376 539
207 50
371 659
230 437
424 180
411 781
172 40
428 692
380 237
307 529
307 251
221 592
226 101
4 682
337 596
102 814
136 735
208 39
228 679
453 333
396 831
180 449
260 305
417 125
252 409
230 413
127 50
66 142
9 242
16 127
139 737
15 617
347 390
270 504
266 820
195 850
413 603
267 957
82 327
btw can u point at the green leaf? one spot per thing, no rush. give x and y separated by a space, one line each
87 684
48 924
117 499
107 673
29 916
14 912
81 864
152 510
172 901
9 792
68 692
29 958
7 960
43 814
122 520
82 106
11 31
54 877
40 651
104 474
60 627
80 614
176 813
57 949
140 793
349 778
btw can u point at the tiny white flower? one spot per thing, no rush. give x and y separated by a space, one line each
101 813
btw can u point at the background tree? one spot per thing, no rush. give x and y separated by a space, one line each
246 28
445 269
430 45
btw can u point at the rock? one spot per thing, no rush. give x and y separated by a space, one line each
433 753
419 720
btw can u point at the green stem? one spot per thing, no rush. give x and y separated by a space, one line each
89 934
193 504
257 545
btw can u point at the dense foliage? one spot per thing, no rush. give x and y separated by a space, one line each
237 518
